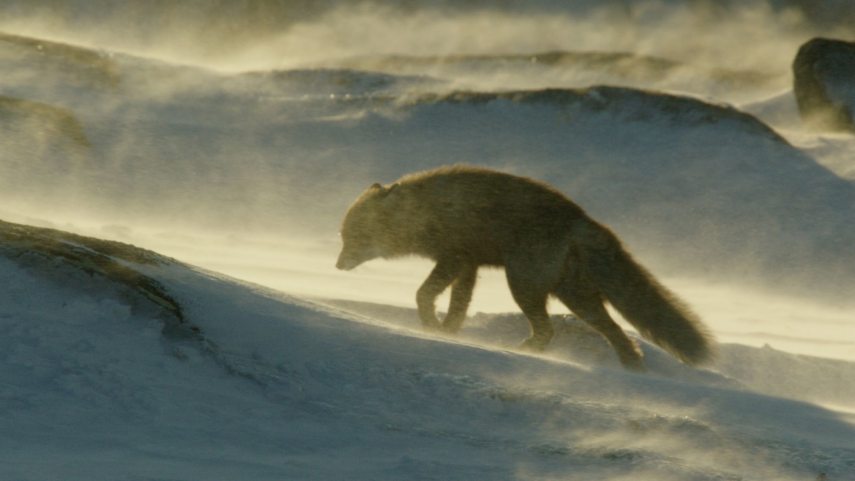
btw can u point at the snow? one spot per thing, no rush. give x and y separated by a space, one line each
275 386
239 156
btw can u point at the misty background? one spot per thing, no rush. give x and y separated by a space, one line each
235 134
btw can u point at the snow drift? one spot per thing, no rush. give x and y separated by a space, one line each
269 386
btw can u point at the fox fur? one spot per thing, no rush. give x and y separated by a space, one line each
467 217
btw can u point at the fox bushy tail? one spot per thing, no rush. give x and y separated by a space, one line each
650 307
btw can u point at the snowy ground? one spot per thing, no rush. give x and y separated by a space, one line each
240 157
95 386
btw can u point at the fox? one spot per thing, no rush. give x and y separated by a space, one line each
465 217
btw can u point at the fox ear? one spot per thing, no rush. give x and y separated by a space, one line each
383 191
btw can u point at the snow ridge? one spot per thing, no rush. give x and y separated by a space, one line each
275 386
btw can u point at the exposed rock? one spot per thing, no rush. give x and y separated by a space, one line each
824 84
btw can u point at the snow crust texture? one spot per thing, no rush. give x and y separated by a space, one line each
270 386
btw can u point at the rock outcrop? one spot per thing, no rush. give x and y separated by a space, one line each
824 84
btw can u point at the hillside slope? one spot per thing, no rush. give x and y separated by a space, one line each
100 382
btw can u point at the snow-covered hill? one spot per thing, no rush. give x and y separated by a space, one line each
696 187
233 135
103 380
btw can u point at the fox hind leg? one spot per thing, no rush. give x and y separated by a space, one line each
532 301
584 300
534 308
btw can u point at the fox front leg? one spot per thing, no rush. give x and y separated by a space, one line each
461 295
440 278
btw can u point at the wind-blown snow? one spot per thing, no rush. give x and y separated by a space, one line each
271 386
236 149
175 147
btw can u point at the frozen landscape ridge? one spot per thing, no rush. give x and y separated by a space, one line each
173 176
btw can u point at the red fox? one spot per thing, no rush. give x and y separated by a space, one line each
465 217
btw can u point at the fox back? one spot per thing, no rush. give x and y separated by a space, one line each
454 211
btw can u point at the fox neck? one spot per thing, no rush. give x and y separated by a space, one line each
407 233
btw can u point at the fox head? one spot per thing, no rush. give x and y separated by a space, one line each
364 231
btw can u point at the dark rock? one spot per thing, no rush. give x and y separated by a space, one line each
824 84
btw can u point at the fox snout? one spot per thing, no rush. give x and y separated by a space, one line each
346 261
344 265
354 255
